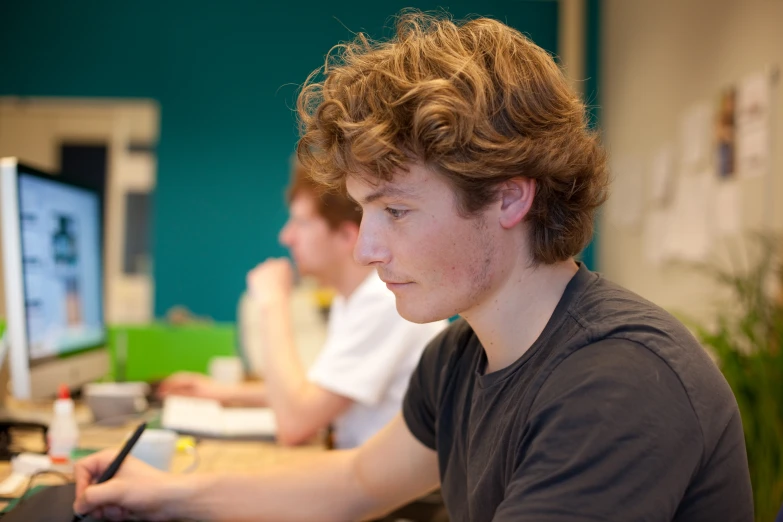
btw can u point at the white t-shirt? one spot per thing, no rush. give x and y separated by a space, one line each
369 356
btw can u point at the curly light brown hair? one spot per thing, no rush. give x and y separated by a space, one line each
475 101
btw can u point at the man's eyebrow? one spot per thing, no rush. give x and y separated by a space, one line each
388 191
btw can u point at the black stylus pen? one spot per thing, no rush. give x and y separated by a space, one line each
118 460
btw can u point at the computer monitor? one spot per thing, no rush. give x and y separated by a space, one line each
53 274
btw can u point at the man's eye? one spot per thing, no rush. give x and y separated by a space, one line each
396 213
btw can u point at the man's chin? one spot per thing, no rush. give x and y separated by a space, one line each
419 314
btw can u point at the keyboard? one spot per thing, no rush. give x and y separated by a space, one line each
208 418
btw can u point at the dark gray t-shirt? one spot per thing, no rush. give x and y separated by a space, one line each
616 413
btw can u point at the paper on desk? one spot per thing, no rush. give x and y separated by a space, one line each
23 466
13 483
238 422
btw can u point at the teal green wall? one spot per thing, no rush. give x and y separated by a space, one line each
225 74
593 97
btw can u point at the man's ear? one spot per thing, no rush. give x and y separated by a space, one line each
516 199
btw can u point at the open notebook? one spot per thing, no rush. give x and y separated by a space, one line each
207 418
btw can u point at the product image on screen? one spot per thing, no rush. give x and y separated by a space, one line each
60 232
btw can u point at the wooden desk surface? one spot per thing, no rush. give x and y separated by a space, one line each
214 455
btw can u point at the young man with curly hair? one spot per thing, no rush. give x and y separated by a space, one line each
558 396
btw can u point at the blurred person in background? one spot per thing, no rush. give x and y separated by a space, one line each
359 378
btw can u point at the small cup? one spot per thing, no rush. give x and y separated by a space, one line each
156 448
114 402
226 370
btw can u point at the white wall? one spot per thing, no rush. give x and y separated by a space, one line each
658 58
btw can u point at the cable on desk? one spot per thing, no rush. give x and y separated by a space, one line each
23 496
62 475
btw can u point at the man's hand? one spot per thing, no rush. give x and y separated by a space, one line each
137 491
271 282
195 385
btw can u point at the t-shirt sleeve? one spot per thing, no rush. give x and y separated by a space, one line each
362 357
420 406
611 436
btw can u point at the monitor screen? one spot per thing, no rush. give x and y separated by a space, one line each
61 265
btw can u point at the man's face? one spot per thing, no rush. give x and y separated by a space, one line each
436 262
313 245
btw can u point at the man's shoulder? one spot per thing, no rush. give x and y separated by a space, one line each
611 359
640 338
606 310
608 302
618 379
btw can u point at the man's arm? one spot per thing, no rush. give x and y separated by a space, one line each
302 408
198 385
389 470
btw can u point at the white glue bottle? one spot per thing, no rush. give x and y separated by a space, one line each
63 436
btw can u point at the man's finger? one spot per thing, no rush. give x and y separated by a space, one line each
83 477
114 513
100 495
89 468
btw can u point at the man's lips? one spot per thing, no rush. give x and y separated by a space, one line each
391 285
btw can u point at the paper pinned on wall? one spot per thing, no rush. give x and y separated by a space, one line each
689 231
656 228
695 135
662 175
753 121
727 209
626 203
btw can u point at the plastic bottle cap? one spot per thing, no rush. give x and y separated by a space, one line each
63 392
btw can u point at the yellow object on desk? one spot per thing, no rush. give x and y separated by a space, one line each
185 444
